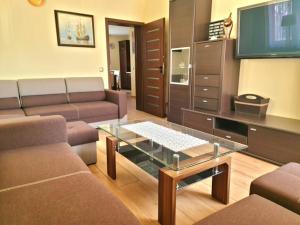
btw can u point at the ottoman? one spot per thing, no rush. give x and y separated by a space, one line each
253 210
281 186
82 138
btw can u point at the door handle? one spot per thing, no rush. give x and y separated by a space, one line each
162 69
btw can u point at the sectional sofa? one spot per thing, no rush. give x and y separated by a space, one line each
79 100
75 99
43 182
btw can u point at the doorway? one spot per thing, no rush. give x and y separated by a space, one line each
135 56
122 57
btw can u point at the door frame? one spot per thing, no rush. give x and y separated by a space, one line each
138 26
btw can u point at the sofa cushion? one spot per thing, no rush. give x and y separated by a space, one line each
66 110
9 94
279 186
291 168
96 109
11 113
32 131
77 199
9 103
86 96
30 164
85 89
34 91
252 210
44 100
81 133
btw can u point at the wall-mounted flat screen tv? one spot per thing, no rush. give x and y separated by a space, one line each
269 30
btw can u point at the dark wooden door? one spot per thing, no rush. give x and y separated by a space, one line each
125 67
153 68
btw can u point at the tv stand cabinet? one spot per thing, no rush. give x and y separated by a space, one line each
274 139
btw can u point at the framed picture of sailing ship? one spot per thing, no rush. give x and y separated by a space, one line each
74 29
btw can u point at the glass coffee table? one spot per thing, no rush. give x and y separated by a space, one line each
176 155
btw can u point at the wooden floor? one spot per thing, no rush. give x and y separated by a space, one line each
138 190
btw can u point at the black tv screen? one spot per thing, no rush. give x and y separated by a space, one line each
269 30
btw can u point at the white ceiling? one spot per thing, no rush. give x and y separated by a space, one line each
118 30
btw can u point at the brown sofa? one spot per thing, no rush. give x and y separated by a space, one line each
82 138
281 186
43 182
78 100
73 98
253 210
10 106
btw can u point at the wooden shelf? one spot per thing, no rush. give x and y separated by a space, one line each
272 138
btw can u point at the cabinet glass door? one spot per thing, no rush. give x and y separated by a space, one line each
180 66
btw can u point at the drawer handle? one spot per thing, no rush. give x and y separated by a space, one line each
205 101
205 78
206 46
209 119
205 89
228 137
253 129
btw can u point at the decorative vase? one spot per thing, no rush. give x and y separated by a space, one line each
228 24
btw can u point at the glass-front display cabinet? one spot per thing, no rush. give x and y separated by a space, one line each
180 66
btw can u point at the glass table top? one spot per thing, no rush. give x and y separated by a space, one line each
174 146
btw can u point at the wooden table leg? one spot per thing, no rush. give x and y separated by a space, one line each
221 184
166 199
111 148
168 180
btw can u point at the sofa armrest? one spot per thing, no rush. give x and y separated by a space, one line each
119 98
32 131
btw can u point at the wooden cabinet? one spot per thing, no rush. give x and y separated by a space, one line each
207 81
274 139
216 75
189 21
278 146
198 121
181 23
125 66
209 57
232 136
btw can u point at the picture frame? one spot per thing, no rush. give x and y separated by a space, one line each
74 29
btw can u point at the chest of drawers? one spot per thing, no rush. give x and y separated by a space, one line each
216 75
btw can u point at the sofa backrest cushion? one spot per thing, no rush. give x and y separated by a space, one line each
85 89
9 94
42 92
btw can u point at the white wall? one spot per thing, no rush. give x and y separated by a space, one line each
115 53
28 45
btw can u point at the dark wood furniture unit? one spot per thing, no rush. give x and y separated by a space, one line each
278 146
125 66
216 75
198 121
274 139
189 21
